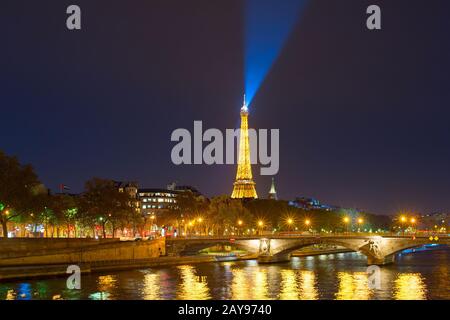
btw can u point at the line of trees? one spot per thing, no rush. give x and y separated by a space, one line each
222 215
102 210
25 201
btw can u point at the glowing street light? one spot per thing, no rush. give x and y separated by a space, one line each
200 220
360 220
260 226
290 221
403 220
307 222
240 223
413 220
346 221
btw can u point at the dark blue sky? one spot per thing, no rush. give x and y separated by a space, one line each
363 116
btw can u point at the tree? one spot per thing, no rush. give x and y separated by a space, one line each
189 208
19 190
65 212
102 203
224 214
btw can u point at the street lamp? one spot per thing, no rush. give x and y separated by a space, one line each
360 222
346 221
413 221
289 222
403 220
307 222
260 226
239 223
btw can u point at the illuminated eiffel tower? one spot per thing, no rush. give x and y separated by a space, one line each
244 187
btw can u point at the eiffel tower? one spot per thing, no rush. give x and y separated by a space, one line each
244 186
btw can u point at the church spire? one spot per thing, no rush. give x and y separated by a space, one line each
272 191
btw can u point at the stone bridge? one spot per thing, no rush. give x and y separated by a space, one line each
379 250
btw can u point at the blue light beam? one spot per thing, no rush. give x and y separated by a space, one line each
268 24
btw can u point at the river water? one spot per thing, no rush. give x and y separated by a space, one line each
420 275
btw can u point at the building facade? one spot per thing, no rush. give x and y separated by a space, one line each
157 201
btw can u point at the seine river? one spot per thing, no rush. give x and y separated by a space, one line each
420 275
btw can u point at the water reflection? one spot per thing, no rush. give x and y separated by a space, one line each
353 286
239 287
260 285
409 286
152 287
309 286
343 276
192 286
298 285
106 285
289 285
250 283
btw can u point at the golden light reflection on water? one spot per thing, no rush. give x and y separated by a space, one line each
353 286
298 285
253 284
308 286
260 285
10 295
249 285
239 287
152 288
106 285
409 286
192 286
289 285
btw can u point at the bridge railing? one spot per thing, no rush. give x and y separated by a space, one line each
302 235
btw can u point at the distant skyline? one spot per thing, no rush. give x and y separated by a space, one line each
363 115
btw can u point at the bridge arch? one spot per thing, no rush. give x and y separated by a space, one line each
193 246
378 250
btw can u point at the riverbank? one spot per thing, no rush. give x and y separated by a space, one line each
58 270
25 259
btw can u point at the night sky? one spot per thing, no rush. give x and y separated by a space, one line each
363 115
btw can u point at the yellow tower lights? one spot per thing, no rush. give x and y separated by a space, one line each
244 186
